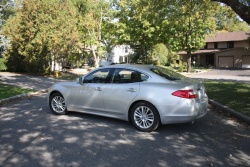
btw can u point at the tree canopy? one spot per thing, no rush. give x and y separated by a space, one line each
227 20
44 32
189 23
139 24
240 7
40 32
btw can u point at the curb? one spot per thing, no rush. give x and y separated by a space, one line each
25 95
230 111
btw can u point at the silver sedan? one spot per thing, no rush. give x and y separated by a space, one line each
145 95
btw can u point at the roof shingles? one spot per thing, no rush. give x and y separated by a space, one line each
228 36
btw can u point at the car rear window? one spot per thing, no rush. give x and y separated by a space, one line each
167 73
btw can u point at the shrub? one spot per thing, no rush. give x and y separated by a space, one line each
180 69
2 64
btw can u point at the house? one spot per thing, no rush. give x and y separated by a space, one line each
120 54
223 50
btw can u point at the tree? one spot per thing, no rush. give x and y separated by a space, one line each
40 32
90 22
139 22
189 21
6 10
160 54
227 20
240 7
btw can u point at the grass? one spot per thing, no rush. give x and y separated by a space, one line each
235 95
9 91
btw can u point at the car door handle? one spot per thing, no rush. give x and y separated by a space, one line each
98 89
131 90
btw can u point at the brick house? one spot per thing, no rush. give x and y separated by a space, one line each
223 50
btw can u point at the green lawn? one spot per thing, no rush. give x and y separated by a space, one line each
232 94
9 91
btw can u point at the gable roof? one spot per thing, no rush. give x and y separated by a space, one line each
228 36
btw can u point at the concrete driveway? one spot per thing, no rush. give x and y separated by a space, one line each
32 136
239 75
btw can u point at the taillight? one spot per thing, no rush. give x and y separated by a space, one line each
188 94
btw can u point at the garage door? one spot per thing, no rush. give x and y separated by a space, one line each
226 61
246 61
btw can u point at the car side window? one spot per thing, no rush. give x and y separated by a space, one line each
99 76
128 76
143 77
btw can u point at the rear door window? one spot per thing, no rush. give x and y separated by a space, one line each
167 73
128 76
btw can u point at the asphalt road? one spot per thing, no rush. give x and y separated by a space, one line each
235 75
27 81
32 136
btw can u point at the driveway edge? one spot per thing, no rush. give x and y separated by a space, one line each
230 111
25 95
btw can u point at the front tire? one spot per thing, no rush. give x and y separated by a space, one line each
145 117
57 104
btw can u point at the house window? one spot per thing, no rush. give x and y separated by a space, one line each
126 49
215 45
206 46
230 44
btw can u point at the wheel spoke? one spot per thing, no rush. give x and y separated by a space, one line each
58 104
144 117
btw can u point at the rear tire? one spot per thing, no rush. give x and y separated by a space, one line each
145 117
57 104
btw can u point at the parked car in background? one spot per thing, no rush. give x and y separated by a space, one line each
145 95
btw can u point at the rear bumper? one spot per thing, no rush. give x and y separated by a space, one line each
184 113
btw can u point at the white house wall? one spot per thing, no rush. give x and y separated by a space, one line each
117 52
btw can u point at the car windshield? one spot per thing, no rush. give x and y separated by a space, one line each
167 73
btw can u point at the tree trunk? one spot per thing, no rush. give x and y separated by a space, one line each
96 57
189 61
143 54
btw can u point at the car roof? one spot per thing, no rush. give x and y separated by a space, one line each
131 66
